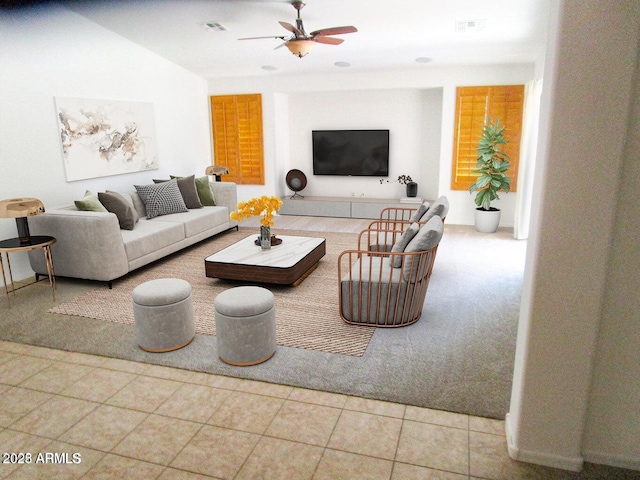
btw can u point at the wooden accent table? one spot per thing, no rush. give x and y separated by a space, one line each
288 263
13 245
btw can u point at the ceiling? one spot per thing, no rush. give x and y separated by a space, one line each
391 35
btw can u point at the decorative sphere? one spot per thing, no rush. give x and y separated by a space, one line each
295 183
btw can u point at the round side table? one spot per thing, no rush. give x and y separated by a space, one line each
14 245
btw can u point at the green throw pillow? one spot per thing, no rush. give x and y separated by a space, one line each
90 203
204 192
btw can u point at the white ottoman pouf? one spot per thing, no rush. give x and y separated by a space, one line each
163 313
245 325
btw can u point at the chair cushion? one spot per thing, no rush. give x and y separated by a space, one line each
427 238
402 242
440 208
374 293
422 209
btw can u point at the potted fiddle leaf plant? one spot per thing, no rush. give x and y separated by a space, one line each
492 165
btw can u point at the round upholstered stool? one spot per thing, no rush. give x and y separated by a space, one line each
163 313
245 325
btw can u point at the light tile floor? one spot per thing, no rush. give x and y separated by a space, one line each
69 415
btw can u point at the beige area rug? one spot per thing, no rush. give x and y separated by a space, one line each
306 316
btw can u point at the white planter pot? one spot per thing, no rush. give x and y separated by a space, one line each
487 221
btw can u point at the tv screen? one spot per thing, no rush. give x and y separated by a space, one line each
351 152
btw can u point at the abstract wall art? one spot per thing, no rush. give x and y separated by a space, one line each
106 137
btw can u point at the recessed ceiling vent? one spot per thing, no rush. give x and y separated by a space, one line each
214 27
470 26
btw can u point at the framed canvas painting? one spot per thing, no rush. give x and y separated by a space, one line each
106 137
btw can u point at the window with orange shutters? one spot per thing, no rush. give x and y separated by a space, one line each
237 137
473 106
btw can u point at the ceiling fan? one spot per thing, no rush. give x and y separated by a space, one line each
301 42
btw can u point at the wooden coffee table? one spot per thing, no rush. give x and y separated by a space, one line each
288 263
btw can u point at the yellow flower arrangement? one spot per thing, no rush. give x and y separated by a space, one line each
257 206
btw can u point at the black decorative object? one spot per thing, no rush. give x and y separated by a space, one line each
412 189
296 181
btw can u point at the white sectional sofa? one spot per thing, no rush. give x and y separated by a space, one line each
91 245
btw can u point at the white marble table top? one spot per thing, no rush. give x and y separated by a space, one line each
287 254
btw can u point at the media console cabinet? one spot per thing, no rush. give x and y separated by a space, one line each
346 207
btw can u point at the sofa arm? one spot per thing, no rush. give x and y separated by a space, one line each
226 195
89 244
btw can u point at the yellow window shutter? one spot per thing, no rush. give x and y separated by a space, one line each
473 106
237 137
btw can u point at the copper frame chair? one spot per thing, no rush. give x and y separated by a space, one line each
373 293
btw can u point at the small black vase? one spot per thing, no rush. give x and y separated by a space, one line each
412 189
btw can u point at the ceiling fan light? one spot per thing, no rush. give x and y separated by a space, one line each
300 47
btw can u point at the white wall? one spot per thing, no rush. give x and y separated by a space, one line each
613 418
575 386
48 52
419 100
402 111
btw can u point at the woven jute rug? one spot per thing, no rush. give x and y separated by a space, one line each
306 316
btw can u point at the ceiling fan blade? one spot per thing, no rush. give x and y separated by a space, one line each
296 31
281 45
259 38
334 31
328 40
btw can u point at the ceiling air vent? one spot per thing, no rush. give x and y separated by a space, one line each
470 26
214 27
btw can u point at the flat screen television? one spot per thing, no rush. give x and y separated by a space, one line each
351 152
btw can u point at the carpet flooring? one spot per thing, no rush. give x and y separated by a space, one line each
306 315
458 357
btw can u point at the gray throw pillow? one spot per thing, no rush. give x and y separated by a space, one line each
427 238
130 200
89 203
440 208
422 209
117 204
161 198
402 242
187 186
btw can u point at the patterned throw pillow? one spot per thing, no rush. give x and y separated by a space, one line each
187 187
161 198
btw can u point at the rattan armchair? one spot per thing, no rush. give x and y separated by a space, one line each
388 289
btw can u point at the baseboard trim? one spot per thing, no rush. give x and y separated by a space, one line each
573 464
611 460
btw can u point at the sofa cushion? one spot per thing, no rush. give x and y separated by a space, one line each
123 209
161 198
149 236
201 220
89 203
402 242
187 187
